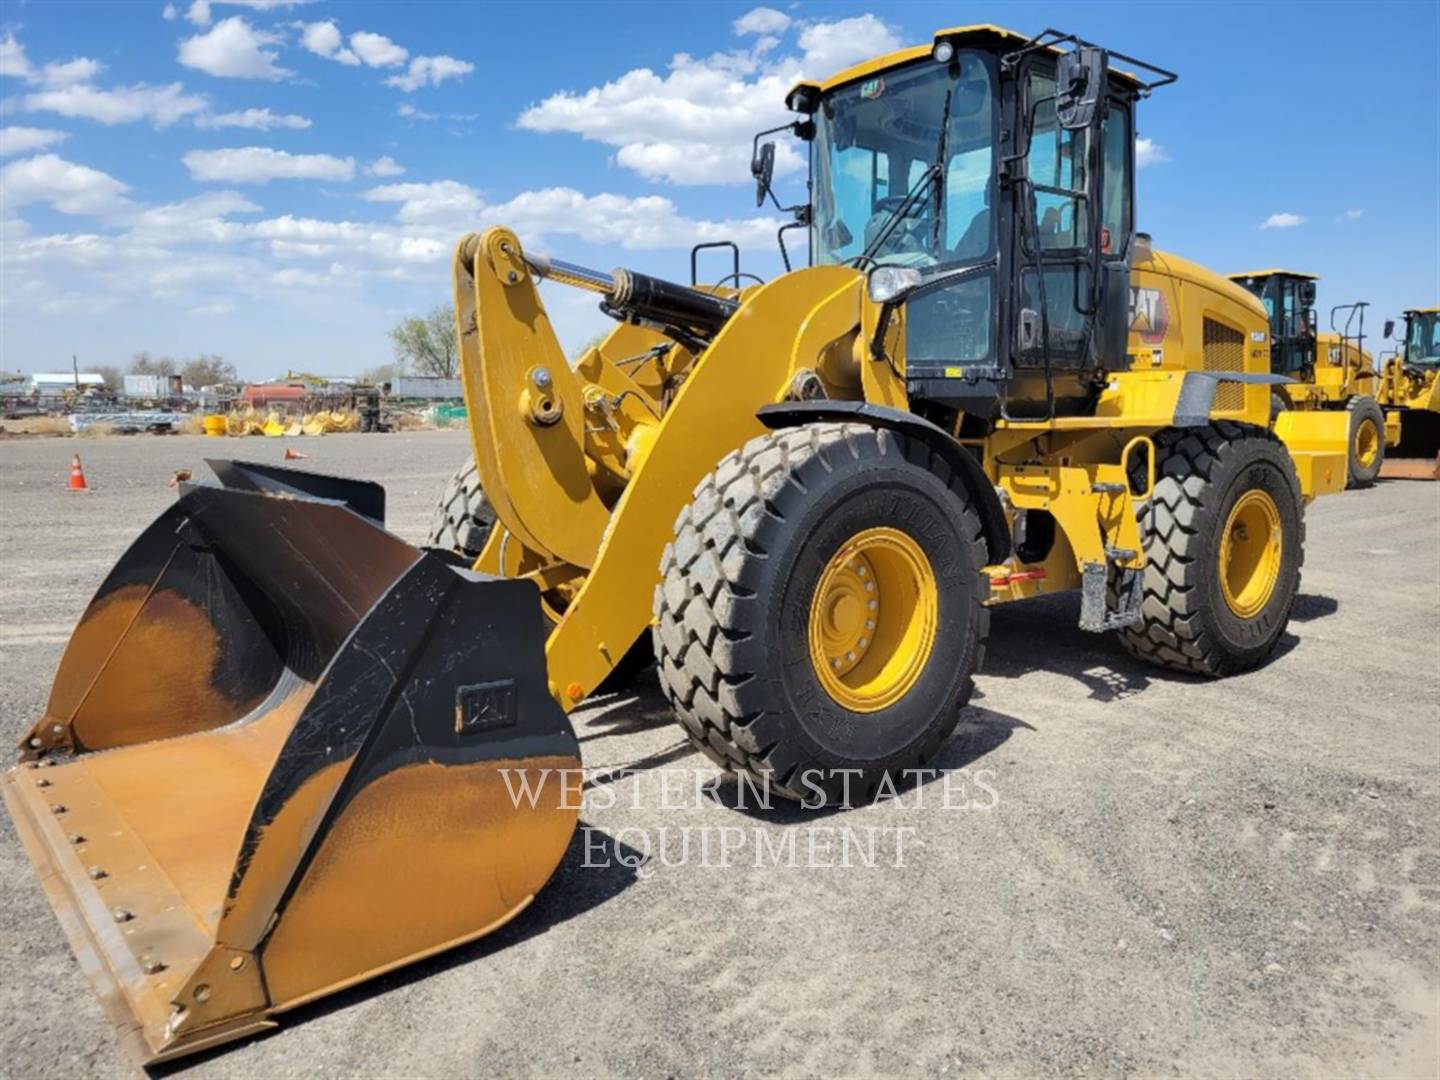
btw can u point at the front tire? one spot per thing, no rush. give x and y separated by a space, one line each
780 660
1367 440
1224 540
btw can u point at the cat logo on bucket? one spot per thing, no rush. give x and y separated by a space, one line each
1149 316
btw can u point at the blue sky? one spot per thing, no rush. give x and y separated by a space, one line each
280 182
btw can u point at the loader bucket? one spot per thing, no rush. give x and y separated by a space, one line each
286 751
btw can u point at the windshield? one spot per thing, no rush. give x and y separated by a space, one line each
1422 343
875 139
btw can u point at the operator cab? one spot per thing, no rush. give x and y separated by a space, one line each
1422 338
1289 299
985 185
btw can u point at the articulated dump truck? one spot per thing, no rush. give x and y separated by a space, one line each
286 750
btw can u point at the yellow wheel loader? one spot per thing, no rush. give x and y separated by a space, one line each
1410 392
1329 370
286 751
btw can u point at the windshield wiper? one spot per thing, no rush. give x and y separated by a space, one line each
931 175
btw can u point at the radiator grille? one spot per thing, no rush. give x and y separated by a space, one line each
1225 351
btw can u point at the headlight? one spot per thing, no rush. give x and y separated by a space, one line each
889 282
944 50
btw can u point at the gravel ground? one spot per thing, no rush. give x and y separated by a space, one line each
1123 871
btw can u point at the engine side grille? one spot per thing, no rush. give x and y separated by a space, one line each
1225 351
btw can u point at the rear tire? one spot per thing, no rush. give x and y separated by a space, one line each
1223 481
1367 440
462 519
736 632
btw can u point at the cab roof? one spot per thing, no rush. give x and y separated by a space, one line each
1422 311
1272 273
978 36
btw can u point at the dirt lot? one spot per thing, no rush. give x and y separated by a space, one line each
1125 872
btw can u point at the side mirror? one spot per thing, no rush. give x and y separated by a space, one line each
1389 328
1080 81
762 167
1307 293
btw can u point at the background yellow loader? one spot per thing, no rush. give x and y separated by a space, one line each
807 494
1329 370
1410 392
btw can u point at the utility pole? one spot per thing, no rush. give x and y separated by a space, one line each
75 370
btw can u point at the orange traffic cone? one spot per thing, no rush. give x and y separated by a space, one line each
294 455
77 475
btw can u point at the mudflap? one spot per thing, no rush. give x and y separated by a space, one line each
352 761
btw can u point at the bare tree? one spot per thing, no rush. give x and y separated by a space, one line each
426 343
142 363
382 373
208 370
113 376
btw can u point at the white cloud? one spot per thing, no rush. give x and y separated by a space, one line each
762 20
1282 221
161 105
694 123
431 71
67 187
323 39
1353 215
233 49
377 50
22 140
13 61
1148 152
199 13
448 208
169 13
384 166
261 164
79 70
255 119
832 47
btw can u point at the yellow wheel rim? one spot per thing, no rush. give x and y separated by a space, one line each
873 619
1251 548
1367 443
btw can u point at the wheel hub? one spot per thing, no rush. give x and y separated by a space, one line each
1367 443
873 619
1251 550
